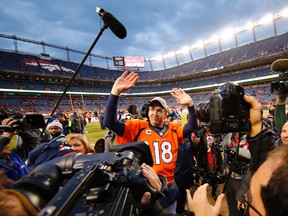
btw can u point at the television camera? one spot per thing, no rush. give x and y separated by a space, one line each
23 122
280 87
98 184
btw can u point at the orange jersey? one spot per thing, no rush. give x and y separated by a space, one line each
164 147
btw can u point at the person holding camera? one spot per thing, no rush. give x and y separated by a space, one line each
161 136
280 89
13 160
237 163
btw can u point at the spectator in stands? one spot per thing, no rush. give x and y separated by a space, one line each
13 160
79 143
156 132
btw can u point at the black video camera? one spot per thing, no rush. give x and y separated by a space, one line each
98 184
280 87
226 111
24 122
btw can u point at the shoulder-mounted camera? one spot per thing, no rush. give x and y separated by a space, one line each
23 122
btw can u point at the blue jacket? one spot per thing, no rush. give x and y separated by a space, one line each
48 151
15 167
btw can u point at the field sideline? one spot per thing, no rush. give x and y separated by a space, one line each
95 132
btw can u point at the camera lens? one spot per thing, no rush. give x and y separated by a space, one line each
203 112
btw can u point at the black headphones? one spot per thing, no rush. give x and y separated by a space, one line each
145 109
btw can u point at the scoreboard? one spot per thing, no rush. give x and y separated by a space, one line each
128 61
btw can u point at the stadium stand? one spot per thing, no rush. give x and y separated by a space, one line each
28 80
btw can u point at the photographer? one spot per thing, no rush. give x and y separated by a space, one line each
237 162
208 154
280 88
261 141
13 160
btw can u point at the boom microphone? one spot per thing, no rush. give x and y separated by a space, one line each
111 22
280 65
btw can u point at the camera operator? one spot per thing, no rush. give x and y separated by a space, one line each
161 136
281 89
261 141
13 160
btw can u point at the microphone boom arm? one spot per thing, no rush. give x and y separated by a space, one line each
77 71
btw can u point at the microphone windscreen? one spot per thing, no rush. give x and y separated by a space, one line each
280 65
116 27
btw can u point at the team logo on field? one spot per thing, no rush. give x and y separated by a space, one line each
148 132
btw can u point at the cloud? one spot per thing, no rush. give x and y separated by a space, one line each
154 28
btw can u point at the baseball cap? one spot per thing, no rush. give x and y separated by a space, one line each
55 123
161 101
58 114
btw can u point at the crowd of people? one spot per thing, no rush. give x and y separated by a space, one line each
251 165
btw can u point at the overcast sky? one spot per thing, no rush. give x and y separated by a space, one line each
153 27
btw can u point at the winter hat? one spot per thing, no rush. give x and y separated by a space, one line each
55 123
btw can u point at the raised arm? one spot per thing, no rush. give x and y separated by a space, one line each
184 99
122 84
